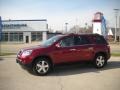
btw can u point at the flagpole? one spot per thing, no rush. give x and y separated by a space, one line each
0 36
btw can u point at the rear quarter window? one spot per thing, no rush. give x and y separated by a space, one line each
99 40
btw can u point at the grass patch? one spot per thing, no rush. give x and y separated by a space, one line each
5 54
115 54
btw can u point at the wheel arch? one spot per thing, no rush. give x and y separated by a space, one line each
42 56
102 53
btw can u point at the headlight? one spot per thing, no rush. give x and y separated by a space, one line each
26 53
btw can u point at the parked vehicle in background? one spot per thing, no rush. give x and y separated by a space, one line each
65 49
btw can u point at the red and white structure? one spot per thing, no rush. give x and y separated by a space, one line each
97 23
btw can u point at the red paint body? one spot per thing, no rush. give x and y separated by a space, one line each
58 54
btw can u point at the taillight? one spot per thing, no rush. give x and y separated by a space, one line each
108 48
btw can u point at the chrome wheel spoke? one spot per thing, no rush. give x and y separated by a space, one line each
101 57
46 66
39 70
100 61
38 65
43 63
44 70
100 64
42 67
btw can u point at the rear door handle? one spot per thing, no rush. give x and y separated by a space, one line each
72 49
90 48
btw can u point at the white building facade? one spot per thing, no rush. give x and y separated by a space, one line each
24 31
99 24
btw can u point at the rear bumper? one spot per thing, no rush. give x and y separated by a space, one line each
108 56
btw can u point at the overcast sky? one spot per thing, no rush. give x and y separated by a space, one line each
58 12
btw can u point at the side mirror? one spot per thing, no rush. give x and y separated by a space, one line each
57 45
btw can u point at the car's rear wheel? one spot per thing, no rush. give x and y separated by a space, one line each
100 61
42 66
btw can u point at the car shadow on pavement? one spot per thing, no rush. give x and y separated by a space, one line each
1 59
82 68
79 68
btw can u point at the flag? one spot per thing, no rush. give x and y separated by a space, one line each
0 29
104 28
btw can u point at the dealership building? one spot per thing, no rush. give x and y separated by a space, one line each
24 31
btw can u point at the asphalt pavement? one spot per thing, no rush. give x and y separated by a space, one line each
72 77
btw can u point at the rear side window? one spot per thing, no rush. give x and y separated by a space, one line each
100 40
81 40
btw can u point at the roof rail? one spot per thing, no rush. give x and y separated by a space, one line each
71 34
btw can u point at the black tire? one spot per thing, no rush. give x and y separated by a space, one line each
100 61
41 66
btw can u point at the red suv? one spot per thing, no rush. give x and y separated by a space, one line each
65 49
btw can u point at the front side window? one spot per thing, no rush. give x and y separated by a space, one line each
51 40
67 42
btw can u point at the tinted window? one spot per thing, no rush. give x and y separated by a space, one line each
80 40
100 40
67 41
85 40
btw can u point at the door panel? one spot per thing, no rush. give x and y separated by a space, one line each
84 48
73 54
65 54
84 52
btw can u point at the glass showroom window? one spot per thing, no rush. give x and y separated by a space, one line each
33 38
36 36
4 36
20 36
39 36
14 36
11 36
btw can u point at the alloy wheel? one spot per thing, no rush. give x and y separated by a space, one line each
100 60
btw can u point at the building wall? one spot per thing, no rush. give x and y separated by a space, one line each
27 37
97 28
29 30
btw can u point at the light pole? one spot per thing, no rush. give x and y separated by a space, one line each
116 15
66 27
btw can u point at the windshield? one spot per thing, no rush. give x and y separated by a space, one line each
51 40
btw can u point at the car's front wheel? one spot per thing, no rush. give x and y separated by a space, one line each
99 61
42 66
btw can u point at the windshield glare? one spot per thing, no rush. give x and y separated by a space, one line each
51 40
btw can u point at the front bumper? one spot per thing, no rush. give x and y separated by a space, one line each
21 63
